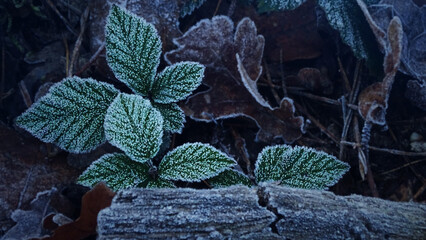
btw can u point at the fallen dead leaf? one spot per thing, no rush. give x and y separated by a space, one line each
93 202
233 68
28 222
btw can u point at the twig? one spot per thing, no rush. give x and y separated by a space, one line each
67 55
411 121
418 175
3 66
240 144
365 158
282 74
219 2
403 166
388 150
77 44
208 184
356 83
317 123
64 20
6 94
362 165
344 76
25 94
347 113
71 7
92 60
322 99
22 193
271 85
420 191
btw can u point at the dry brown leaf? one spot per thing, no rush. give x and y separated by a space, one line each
92 203
412 19
233 67
28 222
373 100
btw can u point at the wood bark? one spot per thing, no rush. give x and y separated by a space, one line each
263 212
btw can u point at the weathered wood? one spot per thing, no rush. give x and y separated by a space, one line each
305 214
185 213
265 212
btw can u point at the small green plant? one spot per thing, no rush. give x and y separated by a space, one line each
299 167
78 115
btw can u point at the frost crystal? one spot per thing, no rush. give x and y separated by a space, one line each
134 126
300 167
228 178
117 170
173 116
160 183
268 5
71 114
133 49
176 82
194 162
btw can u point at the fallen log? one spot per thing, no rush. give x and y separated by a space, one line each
264 212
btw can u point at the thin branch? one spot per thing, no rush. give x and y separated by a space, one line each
317 123
420 191
344 76
388 150
411 121
348 113
25 95
3 68
24 190
240 145
322 99
403 166
271 85
67 55
64 20
77 44
92 60
356 83
414 170
283 85
219 2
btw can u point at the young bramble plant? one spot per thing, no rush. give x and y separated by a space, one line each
299 167
78 115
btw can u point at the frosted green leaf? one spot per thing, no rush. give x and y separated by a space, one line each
133 49
189 6
270 5
346 17
71 115
228 178
117 170
160 183
194 162
177 82
173 116
134 126
300 167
